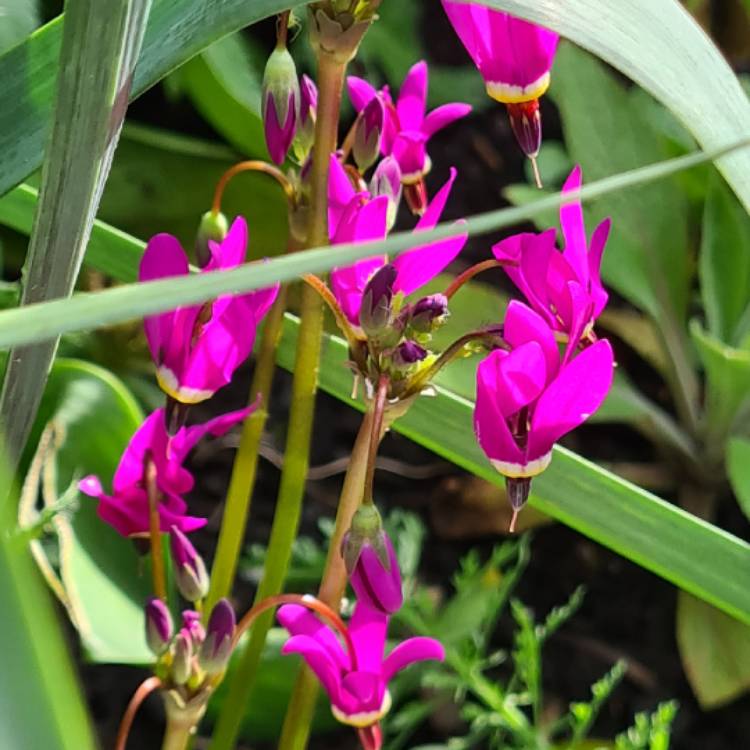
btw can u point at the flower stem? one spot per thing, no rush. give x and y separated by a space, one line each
252 166
296 729
244 470
378 410
142 692
157 556
472 271
296 456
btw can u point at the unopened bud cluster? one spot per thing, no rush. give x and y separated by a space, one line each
187 657
398 335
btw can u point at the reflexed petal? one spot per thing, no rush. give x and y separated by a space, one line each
362 692
368 628
471 23
437 204
490 426
319 660
410 652
572 397
530 49
300 621
150 436
574 230
598 242
421 264
412 97
522 325
372 583
186 438
348 285
360 92
443 116
520 377
341 193
409 151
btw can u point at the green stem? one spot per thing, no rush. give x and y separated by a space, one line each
304 388
299 714
182 720
177 736
244 470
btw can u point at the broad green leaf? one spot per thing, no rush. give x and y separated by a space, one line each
662 48
99 50
99 568
724 262
92 310
19 18
727 379
646 256
224 84
177 31
609 510
738 469
41 700
715 651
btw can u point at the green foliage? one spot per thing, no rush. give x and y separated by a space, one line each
649 732
20 18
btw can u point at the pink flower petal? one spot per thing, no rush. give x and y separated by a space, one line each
436 206
471 23
367 629
299 620
360 92
231 251
412 97
444 116
341 193
599 238
319 660
574 230
409 151
523 325
409 652
572 397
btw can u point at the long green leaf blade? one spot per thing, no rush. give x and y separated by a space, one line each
177 30
92 310
100 46
660 46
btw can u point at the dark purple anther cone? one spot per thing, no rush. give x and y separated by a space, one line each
373 584
517 490
189 569
159 627
217 648
526 122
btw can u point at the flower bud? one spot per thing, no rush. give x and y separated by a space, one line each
428 313
386 180
189 569
375 314
308 109
217 648
182 658
408 354
368 133
371 562
213 227
191 624
159 628
280 103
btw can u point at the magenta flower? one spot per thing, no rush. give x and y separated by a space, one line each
514 58
513 55
357 684
564 288
374 585
407 128
530 396
127 509
198 348
414 268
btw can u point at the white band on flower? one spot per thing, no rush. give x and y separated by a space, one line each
171 386
366 718
507 93
523 471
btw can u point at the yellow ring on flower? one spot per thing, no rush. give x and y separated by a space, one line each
171 386
507 93
366 718
523 471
